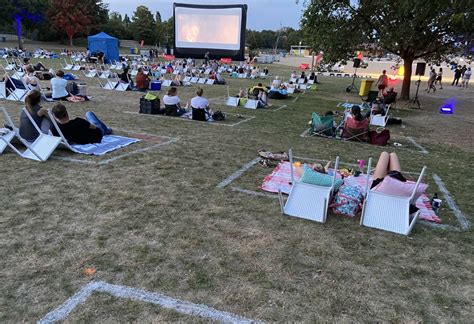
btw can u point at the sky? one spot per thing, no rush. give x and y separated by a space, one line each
261 14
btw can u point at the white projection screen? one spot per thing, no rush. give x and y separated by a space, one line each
219 29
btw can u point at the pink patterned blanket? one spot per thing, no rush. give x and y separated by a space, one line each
280 179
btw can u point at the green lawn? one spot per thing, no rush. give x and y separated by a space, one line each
156 220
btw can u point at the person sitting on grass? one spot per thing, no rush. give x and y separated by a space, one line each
172 103
262 99
125 76
200 106
255 90
58 86
38 66
79 130
30 79
40 116
356 125
142 80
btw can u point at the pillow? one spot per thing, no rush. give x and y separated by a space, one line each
399 188
319 179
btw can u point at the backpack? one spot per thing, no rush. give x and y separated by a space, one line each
347 201
72 88
218 115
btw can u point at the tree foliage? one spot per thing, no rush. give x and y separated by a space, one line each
69 16
143 25
412 29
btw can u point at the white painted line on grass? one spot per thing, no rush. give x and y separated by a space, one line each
439 226
294 100
305 133
238 173
421 148
246 119
125 292
279 108
73 160
463 221
253 193
173 140
68 306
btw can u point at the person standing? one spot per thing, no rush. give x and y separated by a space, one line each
431 81
457 75
439 78
206 57
466 77
382 83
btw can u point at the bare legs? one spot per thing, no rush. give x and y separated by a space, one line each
387 162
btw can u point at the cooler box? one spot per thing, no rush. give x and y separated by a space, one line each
155 85
365 86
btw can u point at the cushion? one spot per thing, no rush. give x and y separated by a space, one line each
319 179
399 188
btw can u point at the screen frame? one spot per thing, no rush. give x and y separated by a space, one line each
236 55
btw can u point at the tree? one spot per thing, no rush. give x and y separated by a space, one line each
22 12
159 28
143 25
115 25
69 16
412 29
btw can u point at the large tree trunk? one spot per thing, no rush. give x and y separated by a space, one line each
18 32
70 39
407 62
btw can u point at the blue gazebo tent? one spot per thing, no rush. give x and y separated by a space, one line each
104 43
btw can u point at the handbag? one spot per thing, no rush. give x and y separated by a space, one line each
379 138
149 106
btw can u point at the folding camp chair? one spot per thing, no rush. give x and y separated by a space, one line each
6 137
308 201
379 119
322 126
41 149
389 212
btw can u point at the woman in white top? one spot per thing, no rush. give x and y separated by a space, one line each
202 104
58 86
172 103
276 84
466 77
30 79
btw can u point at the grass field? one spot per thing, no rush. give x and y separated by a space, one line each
155 219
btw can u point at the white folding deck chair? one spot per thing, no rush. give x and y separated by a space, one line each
3 90
6 137
16 94
210 81
41 149
388 212
63 139
110 84
308 201
379 120
251 104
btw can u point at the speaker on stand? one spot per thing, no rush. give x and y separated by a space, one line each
420 71
356 65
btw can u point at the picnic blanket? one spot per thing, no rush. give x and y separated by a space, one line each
280 179
109 143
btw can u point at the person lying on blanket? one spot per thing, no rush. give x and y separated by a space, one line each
78 130
318 167
388 166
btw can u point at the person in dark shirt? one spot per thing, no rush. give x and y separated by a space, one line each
79 130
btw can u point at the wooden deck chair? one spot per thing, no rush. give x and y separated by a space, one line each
322 126
41 149
379 120
388 212
308 201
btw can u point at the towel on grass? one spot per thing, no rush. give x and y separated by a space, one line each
109 143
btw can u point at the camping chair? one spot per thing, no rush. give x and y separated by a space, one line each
308 201
389 212
322 126
379 119
3 90
6 137
41 149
